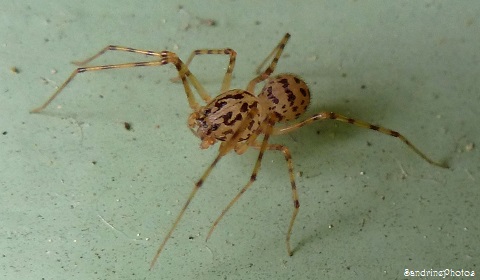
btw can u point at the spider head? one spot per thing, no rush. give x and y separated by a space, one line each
200 128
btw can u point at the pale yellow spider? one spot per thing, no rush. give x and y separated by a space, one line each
237 117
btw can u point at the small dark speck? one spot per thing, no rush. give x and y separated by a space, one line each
94 162
4 133
363 87
344 75
369 143
208 22
257 22
190 237
127 125
14 70
101 96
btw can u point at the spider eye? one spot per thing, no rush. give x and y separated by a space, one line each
215 126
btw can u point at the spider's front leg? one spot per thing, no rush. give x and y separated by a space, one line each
166 57
225 147
231 65
267 130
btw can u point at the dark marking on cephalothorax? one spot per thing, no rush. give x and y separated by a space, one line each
227 117
238 117
244 107
220 103
215 126
228 120
237 96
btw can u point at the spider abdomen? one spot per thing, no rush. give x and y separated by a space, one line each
287 96
224 115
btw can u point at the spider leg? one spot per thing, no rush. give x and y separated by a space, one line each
296 203
116 48
166 57
359 123
202 92
228 74
277 52
263 147
225 147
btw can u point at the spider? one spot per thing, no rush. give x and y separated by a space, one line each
237 118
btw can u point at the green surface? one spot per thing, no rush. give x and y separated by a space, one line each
83 198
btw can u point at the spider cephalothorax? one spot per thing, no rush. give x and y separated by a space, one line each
222 116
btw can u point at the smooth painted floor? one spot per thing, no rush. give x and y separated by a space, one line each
84 198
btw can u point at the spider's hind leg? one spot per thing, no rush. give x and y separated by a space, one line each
359 123
276 53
